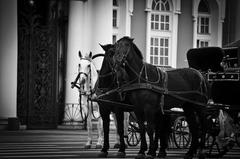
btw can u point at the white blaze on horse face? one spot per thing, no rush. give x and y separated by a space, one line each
84 71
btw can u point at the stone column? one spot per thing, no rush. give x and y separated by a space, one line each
75 43
8 59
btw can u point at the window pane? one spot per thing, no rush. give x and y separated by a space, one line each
161 51
166 42
152 25
151 51
151 41
162 26
161 42
166 61
167 27
161 60
155 51
157 7
156 26
155 60
162 7
152 17
162 18
166 52
167 18
156 42
151 60
115 3
167 6
156 17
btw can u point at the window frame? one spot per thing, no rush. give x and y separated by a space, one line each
155 45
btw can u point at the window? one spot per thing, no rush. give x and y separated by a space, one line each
203 24
115 3
160 17
114 18
114 38
202 43
115 13
160 34
159 51
160 22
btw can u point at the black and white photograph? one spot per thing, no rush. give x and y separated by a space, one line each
134 79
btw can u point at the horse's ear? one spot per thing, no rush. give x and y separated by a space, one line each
90 55
105 47
131 39
80 54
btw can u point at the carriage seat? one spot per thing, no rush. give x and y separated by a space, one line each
205 59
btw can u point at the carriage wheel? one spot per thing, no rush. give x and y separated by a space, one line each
133 137
181 133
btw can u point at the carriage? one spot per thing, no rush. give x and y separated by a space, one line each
221 68
149 80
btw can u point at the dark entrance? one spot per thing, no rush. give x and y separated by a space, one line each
41 49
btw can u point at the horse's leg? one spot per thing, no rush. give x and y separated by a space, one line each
89 132
117 141
142 131
100 133
105 113
163 131
120 118
203 125
150 118
126 123
193 127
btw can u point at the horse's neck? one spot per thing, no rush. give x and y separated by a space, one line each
135 67
94 75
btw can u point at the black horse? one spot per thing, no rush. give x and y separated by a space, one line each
153 90
109 100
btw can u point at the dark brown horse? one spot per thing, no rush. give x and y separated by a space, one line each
109 99
184 88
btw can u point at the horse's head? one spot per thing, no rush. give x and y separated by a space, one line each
84 68
127 56
122 49
108 77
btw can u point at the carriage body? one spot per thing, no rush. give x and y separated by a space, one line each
221 69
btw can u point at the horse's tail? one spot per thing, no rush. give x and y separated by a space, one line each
204 86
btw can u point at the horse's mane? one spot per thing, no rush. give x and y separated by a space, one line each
139 53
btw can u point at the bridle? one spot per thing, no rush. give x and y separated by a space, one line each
123 62
112 73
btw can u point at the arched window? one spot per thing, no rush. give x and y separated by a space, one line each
161 32
115 20
203 24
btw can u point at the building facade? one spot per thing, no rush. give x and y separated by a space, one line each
164 30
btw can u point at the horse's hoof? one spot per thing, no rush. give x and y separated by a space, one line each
102 154
116 146
87 146
140 156
162 154
149 157
188 156
98 146
121 154
201 156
